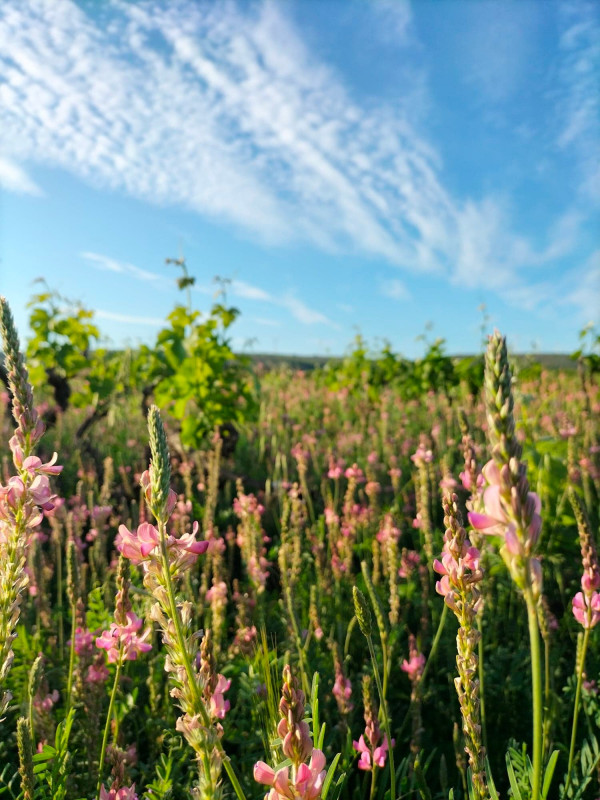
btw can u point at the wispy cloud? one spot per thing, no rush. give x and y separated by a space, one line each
296 307
129 318
269 323
112 265
394 289
14 179
578 104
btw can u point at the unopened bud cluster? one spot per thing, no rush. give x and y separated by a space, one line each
510 510
23 499
459 586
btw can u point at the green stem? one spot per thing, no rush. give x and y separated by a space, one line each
586 637
59 595
386 720
434 646
536 686
71 657
546 695
481 687
298 641
109 714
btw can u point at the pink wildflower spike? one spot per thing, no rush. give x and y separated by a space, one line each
124 793
263 773
380 753
137 546
414 666
218 705
586 609
125 638
34 465
310 777
364 762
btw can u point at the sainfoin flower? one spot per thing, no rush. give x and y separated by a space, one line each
379 754
497 518
124 793
307 784
123 639
586 608
144 545
414 666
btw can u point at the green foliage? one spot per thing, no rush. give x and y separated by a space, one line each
51 765
61 353
62 336
588 352
585 768
361 371
196 375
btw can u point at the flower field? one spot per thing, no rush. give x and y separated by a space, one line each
339 589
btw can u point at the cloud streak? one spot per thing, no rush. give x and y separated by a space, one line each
121 267
14 179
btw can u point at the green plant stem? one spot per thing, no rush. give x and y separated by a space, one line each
434 646
71 657
481 675
586 637
109 714
59 596
373 782
298 641
536 686
546 695
386 720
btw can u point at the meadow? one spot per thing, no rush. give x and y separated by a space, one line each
378 579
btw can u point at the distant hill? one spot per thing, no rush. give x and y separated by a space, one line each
308 363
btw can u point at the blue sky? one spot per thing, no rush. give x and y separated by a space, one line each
348 165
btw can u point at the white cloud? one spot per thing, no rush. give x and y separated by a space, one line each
249 292
122 267
269 323
14 179
394 289
129 318
298 309
303 313
578 103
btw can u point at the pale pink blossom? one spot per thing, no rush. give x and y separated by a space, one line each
218 705
124 793
414 666
365 762
586 609
307 785
123 641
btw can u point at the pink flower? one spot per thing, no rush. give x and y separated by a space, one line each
497 519
139 547
422 455
97 673
125 638
84 640
586 609
218 705
307 785
123 793
379 753
414 666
